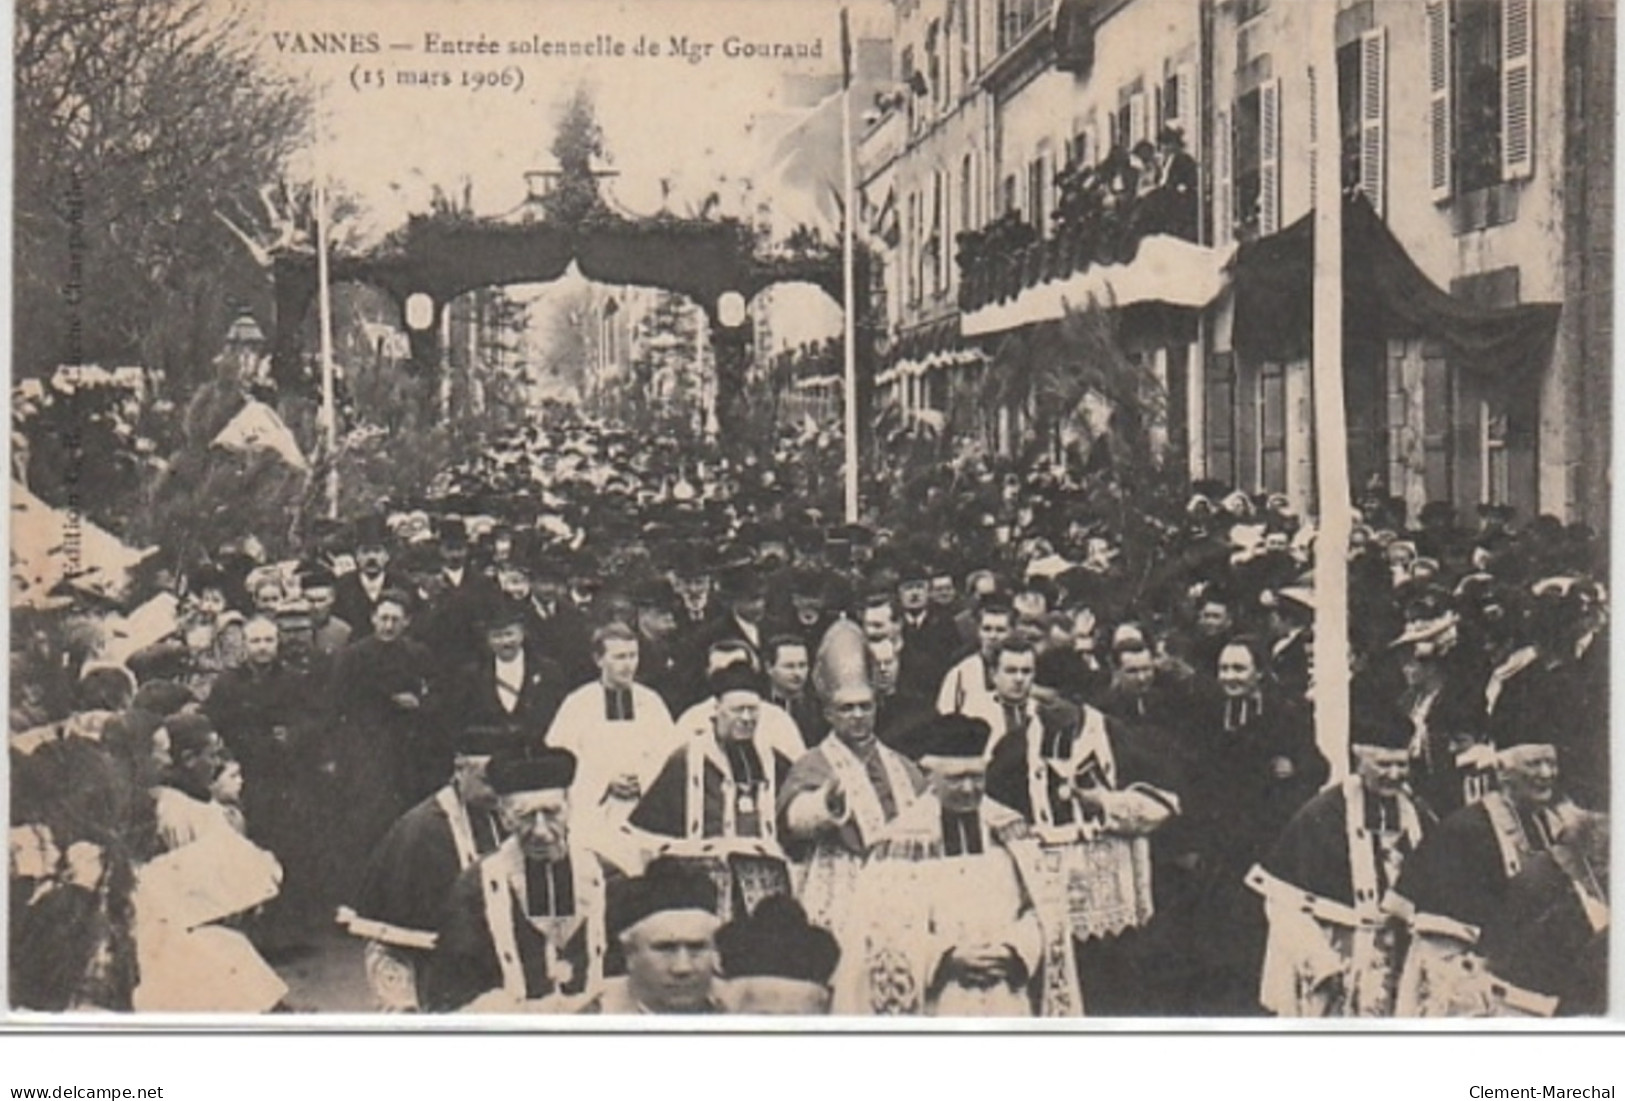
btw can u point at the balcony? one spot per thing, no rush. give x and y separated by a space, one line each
1106 244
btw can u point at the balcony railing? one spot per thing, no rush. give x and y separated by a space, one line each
1099 220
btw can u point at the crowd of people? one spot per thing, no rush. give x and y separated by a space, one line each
594 731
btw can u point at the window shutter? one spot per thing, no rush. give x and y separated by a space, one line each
1269 157
907 240
1441 139
1052 172
1373 113
1398 416
1188 116
1436 428
1221 414
1223 224
1137 118
1467 447
1272 427
966 217
939 228
1517 89
1248 422
973 191
916 264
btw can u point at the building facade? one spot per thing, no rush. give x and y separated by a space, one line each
1477 135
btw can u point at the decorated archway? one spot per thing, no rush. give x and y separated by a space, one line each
435 258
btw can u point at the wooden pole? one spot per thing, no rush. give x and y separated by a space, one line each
849 280
1331 660
324 294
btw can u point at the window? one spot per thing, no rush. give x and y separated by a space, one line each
1221 417
1248 10
881 271
1037 183
906 64
1438 414
966 214
1176 103
913 238
937 253
1478 94
1348 111
1017 17
1361 113
1272 428
1497 469
963 12
933 63
1255 162
1397 423
1169 99
1131 122
1481 85
1007 198
1244 160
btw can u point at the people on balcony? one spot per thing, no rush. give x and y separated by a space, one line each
1168 206
1102 213
1144 158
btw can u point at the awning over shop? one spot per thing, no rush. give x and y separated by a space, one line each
818 383
1165 269
936 361
1384 292
933 346
917 343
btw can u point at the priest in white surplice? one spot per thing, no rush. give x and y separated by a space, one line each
620 733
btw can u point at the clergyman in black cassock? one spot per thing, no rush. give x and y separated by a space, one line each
714 802
398 906
524 929
1456 885
1336 940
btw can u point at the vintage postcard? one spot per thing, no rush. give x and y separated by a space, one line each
871 514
